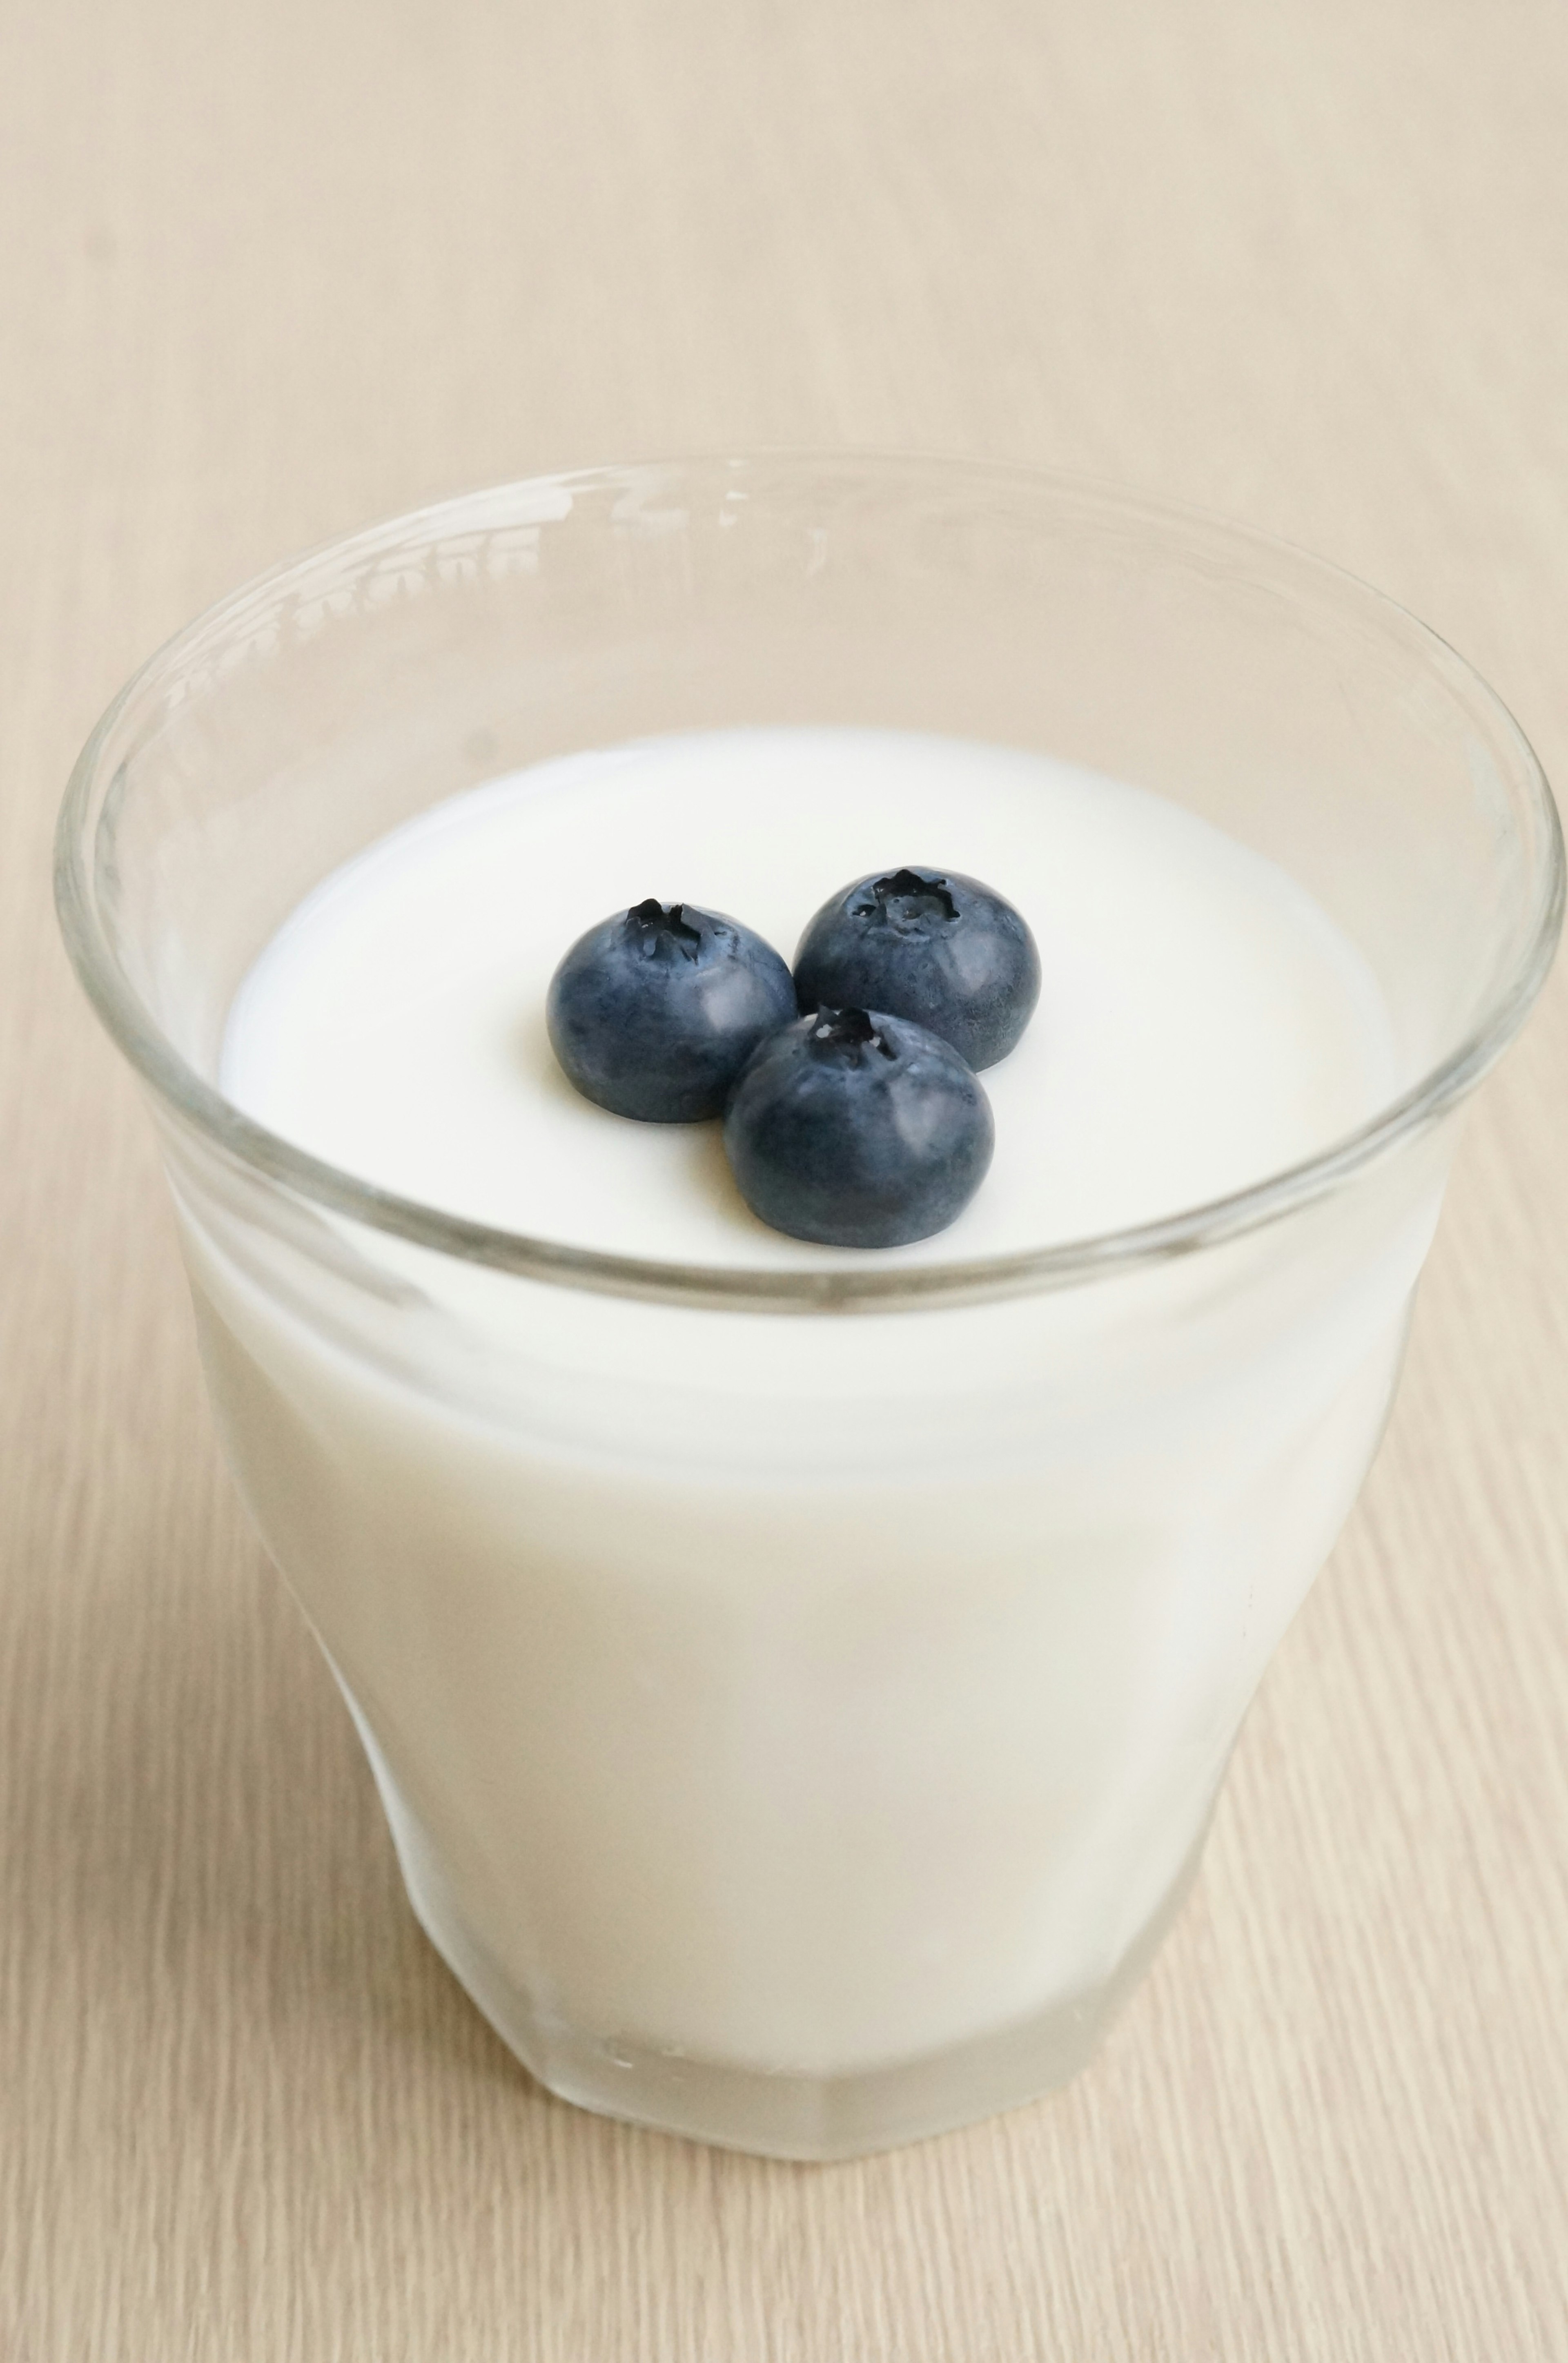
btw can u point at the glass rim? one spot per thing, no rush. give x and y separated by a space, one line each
850 1287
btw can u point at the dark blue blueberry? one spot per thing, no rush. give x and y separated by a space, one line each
858 1130
928 945
654 1013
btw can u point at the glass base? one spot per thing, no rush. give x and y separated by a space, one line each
776 2114
771 2114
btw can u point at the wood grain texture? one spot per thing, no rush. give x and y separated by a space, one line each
267 273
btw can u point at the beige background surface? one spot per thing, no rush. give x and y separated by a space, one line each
267 272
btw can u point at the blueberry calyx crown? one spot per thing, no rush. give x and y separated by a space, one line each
663 931
851 1030
904 898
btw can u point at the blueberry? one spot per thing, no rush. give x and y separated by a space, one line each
654 1013
928 945
858 1130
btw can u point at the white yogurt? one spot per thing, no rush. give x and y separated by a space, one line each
1201 1023
802 1694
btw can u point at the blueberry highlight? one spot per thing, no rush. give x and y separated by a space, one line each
928 945
858 1130
654 1013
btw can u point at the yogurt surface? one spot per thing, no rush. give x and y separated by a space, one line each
1202 1022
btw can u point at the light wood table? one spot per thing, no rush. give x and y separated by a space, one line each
266 273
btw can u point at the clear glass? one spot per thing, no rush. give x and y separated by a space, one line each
799 1698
